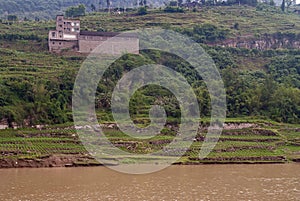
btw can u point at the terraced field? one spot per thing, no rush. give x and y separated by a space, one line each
42 79
251 20
35 143
260 143
29 65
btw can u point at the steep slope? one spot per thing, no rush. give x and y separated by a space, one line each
44 9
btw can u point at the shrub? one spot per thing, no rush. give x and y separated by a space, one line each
208 33
172 9
76 11
236 26
142 11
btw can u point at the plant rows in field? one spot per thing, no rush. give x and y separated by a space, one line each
39 146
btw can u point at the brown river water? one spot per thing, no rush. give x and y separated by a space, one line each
203 182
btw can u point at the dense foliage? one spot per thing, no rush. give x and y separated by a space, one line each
75 11
48 9
206 33
255 93
274 94
36 86
40 9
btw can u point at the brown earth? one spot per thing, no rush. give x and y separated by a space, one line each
49 161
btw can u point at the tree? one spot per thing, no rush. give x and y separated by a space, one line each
268 88
248 2
180 2
108 4
12 18
93 7
143 3
173 3
101 4
283 6
289 3
76 11
142 11
236 26
285 105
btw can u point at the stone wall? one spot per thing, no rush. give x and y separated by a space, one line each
262 43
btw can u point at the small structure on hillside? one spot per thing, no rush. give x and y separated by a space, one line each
69 37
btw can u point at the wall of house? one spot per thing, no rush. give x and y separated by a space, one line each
86 46
67 26
89 43
115 46
59 45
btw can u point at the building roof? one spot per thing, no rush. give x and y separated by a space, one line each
68 18
108 34
61 39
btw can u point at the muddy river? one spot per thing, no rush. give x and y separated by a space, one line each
203 182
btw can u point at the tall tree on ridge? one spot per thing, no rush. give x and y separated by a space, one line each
108 2
283 5
93 7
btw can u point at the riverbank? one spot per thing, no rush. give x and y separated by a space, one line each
66 160
80 161
242 142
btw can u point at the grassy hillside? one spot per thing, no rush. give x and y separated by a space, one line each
251 20
27 65
36 88
43 9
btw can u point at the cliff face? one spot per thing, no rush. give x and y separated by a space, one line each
263 43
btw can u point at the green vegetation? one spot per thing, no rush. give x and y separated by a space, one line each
258 83
76 11
262 142
172 9
142 11
36 86
252 21
43 9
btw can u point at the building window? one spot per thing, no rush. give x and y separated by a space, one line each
59 43
53 34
